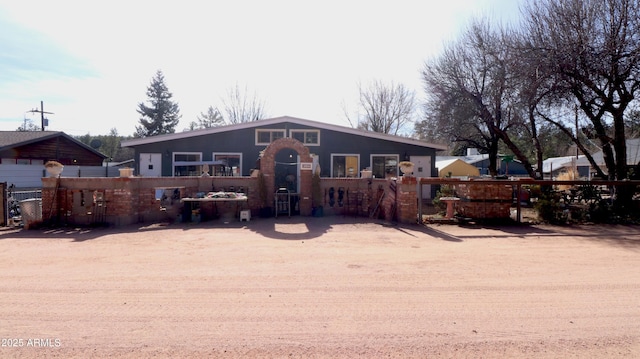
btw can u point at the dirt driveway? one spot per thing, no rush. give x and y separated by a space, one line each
321 287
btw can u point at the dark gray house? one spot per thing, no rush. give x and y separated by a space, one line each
234 150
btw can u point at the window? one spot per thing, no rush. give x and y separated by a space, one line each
265 137
344 165
308 137
232 166
384 166
181 166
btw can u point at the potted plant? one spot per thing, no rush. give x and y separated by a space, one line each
406 167
53 168
316 195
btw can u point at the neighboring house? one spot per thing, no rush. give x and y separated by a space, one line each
553 166
633 156
338 151
23 155
456 168
481 162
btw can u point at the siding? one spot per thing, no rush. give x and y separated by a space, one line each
243 141
30 176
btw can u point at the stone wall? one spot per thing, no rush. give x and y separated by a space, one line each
127 200
359 195
481 200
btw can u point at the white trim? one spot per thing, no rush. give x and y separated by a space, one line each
214 154
357 170
385 155
270 130
304 132
175 163
278 120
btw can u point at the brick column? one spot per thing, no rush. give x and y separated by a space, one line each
407 200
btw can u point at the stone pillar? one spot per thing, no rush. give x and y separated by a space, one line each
407 200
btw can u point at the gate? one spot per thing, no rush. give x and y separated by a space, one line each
11 198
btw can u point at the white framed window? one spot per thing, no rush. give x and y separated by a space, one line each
345 165
308 137
265 136
232 166
384 166
182 167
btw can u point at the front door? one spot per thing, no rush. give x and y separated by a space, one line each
151 164
422 168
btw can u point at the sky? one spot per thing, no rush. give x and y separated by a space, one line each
91 62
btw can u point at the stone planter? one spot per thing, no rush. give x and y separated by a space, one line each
126 172
54 171
406 168
53 168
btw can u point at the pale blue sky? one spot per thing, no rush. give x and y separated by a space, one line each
91 62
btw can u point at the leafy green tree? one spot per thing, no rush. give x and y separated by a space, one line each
211 118
108 145
162 114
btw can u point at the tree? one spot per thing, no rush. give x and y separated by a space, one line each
472 92
28 125
162 115
386 108
592 47
108 145
240 108
212 118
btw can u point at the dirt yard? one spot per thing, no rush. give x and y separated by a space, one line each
321 287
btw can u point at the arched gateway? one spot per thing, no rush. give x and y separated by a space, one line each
267 168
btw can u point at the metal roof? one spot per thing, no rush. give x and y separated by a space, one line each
276 120
633 155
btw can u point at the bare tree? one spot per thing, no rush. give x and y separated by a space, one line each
386 108
240 108
472 92
592 47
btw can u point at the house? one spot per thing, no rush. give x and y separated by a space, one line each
633 156
235 150
506 165
553 166
24 153
456 168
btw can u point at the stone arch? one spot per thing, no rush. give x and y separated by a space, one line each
268 164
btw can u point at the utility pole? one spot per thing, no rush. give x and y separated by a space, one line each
42 112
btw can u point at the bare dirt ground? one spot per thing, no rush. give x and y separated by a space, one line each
321 287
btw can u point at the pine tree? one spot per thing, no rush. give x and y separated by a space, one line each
162 115
211 118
